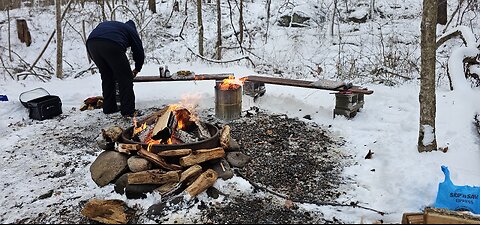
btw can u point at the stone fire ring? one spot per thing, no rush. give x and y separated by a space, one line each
208 143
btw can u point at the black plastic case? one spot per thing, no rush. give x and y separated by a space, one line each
41 104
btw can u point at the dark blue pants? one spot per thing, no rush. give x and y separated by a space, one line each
114 67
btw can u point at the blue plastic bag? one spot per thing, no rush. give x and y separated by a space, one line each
459 198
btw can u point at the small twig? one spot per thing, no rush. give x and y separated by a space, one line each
354 205
183 26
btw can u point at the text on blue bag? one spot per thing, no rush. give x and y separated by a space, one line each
462 198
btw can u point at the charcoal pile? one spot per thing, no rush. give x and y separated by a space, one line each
296 160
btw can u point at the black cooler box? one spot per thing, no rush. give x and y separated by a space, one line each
41 104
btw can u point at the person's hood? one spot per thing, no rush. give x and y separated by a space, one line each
131 24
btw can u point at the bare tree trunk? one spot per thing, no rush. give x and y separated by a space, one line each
186 7
152 6
426 137
442 12
9 43
332 25
241 21
269 4
176 6
218 45
102 5
85 40
372 9
58 14
114 17
200 27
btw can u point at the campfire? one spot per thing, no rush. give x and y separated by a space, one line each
177 125
170 152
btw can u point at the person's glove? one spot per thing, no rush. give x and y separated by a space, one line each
135 72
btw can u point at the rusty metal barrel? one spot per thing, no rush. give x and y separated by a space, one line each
228 103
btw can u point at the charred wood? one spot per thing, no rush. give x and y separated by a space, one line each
157 160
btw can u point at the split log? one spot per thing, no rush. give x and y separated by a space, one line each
202 155
175 153
106 211
191 174
153 177
157 160
127 148
164 126
167 188
112 134
202 183
225 137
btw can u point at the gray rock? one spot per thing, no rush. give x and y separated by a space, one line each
121 184
136 191
224 172
103 144
238 159
295 20
233 146
107 167
138 164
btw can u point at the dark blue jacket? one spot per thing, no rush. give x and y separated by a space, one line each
124 34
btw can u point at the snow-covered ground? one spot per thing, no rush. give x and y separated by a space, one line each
396 180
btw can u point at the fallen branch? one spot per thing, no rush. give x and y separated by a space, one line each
318 203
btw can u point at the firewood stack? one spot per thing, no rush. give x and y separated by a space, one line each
169 172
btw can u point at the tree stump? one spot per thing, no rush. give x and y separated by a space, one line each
23 32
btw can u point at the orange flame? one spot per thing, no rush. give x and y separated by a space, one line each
231 83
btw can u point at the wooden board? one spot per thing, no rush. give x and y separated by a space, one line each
332 86
443 216
182 78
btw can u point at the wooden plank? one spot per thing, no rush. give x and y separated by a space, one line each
220 76
412 218
302 83
443 216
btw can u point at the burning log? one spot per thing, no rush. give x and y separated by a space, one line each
225 137
202 183
184 137
153 177
175 153
154 158
164 126
202 155
191 174
127 148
